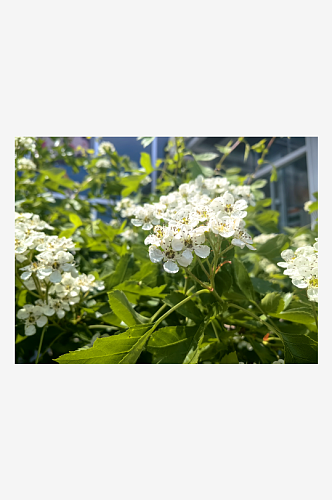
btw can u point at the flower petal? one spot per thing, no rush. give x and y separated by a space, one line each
30 330
202 251
171 267
41 321
155 254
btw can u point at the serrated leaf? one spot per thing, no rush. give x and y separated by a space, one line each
205 156
145 141
260 183
131 183
146 163
123 309
246 152
233 171
123 348
274 246
243 280
120 272
188 309
273 303
265 354
230 359
274 174
263 286
75 219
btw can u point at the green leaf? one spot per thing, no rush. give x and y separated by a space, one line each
67 233
233 171
224 149
299 348
246 152
273 247
313 207
230 359
223 280
120 272
263 286
75 220
205 156
266 222
274 174
315 194
243 280
176 344
259 146
146 163
132 183
145 141
123 309
299 315
134 290
198 169
22 298
188 309
265 354
19 338
123 348
260 183
193 354
273 303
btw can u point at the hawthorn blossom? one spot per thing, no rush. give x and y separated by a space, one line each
105 147
32 315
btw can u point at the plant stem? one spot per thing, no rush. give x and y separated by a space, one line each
198 281
156 314
176 307
99 326
226 250
315 313
215 331
40 343
30 291
270 327
202 266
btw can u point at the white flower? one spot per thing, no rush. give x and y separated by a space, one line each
32 315
170 257
302 267
191 240
55 264
103 163
263 238
226 207
26 142
25 164
145 217
105 147
307 205
241 237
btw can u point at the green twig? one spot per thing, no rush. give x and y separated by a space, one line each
40 343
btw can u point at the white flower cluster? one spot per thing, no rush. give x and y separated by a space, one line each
53 274
105 147
263 238
203 205
126 207
302 267
307 205
25 164
28 143
268 266
103 163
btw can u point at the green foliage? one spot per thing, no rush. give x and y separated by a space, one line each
252 315
123 348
